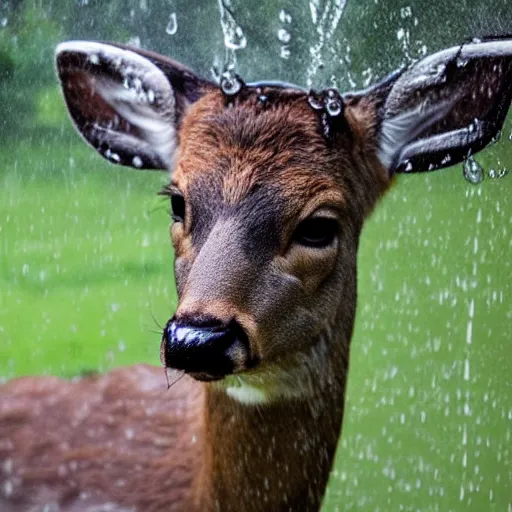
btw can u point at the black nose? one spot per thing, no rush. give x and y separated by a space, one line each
207 350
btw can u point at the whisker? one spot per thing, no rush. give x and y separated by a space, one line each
171 384
156 322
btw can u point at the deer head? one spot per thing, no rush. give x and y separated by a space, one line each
270 186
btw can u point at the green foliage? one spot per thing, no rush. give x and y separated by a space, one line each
26 54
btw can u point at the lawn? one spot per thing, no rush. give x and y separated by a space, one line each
85 262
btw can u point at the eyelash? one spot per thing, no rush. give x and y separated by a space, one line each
177 200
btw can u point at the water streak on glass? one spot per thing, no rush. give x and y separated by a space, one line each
172 24
325 21
234 40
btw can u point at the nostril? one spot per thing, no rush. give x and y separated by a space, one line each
203 322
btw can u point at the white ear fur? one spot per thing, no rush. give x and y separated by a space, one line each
129 116
396 132
446 106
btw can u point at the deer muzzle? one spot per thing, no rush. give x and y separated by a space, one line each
205 352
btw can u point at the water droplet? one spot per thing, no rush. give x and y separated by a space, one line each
461 61
134 41
3 22
510 136
230 83
172 25
284 17
496 137
473 171
314 11
447 159
8 488
283 35
93 58
137 161
314 102
334 107
405 12
234 37
284 52
497 174
137 84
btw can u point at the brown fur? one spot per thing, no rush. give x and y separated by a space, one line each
121 437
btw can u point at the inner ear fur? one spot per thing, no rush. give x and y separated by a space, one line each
127 103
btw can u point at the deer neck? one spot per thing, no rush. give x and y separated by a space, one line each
275 454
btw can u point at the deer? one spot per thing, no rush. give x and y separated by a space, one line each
270 186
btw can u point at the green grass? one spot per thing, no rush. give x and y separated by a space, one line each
85 264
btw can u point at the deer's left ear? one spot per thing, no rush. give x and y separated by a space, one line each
446 106
127 103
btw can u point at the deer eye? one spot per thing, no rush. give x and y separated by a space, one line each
316 232
178 207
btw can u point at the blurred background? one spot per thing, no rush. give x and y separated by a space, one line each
86 263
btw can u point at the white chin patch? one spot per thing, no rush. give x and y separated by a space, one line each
298 377
247 394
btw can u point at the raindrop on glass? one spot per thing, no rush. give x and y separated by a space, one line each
134 41
461 61
497 174
405 12
172 25
334 108
284 52
284 17
313 7
283 35
137 161
473 171
234 37
215 71
230 83
496 138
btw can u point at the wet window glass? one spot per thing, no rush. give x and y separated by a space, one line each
86 280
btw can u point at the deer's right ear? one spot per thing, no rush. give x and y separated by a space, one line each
127 103
443 108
